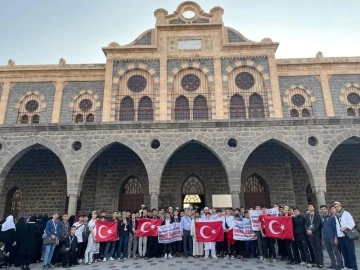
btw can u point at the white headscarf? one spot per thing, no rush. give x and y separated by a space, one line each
8 224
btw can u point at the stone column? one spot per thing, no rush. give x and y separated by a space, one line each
59 85
235 199
73 198
154 200
4 101
219 102
106 114
329 107
163 92
275 89
320 196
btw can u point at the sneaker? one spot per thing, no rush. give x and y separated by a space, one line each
261 258
119 259
309 265
274 261
303 263
265 260
104 260
124 258
165 257
214 257
206 257
320 266
111 259
227 257
232 257
169 256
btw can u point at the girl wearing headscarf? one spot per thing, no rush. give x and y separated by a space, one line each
8 237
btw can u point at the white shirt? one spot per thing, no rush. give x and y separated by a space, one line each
347 221
79 231
92 224
229 220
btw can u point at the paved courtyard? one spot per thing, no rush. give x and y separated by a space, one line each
196 263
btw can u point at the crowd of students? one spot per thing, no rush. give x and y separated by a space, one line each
70 241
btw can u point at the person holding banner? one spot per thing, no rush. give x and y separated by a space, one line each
143 239
89 249
269 249
177 245
124 227
228 236
198 247
167 247
209 245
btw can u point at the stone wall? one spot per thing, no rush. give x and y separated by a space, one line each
41 178
343 178
19 89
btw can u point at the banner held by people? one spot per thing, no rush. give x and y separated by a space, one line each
254 216
209 231
169 233
148 227
106 231
279 227
243 232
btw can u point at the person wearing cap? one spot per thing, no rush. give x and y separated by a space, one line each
209 246
345 222
206 209
143 239
198 247
89 248
51 230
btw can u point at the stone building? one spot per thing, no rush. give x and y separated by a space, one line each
191 108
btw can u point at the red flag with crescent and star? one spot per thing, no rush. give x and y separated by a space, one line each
279 227
148 227
209 231
106 231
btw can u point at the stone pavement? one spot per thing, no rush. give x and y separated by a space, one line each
196 263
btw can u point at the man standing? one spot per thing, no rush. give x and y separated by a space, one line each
133 239
313 232
79 235
110 246
330 237
345 222
300 237
64 231
52 231
187 238
228 224
153 240
143 239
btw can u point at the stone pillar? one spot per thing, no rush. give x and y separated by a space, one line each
154 200
219 98
106 114
4 101
164 105
57 102
235 199
329 107
73 198
320 196
275 89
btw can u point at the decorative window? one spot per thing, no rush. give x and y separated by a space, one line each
200 108
256 192
182 110
84 108
256 106
191 95
127 112
193 186
351 112
350 97
244 80
299 101
13 202
237 107
145 109
29 110
133 186
137 83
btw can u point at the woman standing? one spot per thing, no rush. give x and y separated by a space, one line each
198 247
8 237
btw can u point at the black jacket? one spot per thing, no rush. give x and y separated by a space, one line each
299 227
313 224
133 226
124 230
71 242
171 221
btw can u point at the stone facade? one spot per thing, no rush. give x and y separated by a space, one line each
68 163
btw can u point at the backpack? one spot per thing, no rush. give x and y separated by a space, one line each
86 232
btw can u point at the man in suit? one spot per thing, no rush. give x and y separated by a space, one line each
133 239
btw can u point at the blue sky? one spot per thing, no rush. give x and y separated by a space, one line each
42 31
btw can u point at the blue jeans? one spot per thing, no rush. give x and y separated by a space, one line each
123 246
49 251
347 248
109 246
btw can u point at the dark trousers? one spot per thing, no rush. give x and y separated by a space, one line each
282 248
153 246
109 249
302 245
57 257
251 248
188 243
240 247
292 251
24 260
220 247
176 247
334 253
260 240
69 258
269 248
167 248
102 250
347 249
316 246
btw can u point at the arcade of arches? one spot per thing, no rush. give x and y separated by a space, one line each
117 179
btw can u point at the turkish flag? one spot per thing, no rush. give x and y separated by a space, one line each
106 231
148 227
209 231
279 227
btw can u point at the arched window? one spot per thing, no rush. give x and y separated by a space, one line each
256 106
256 192
90 118
24 119
35 119
294 113
351 112
145 109
79 118
182 110
200 108
127 112
131 195
237 107
305 113
13 202
193 186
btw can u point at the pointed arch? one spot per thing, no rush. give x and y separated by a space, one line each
193 185
256 191
131 194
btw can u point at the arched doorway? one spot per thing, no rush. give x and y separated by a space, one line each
343 176
256 192
13 202
131 195
190 169
193 192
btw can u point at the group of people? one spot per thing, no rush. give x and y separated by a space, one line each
69 241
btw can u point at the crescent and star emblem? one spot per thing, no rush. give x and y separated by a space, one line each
108 231
271 228
202 232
